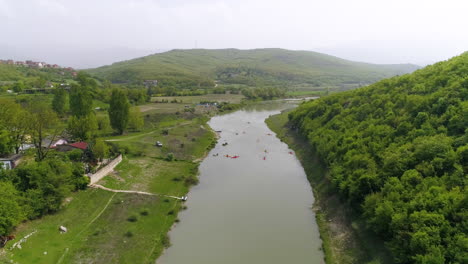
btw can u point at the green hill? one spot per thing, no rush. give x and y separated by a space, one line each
267 67
397 151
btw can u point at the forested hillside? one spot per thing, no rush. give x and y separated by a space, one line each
259 67
397 151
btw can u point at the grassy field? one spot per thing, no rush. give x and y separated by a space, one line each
345 239
231 98
107 227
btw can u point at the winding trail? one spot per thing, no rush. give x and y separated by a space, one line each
130 191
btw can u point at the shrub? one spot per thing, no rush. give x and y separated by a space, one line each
170 157
144 212
132 218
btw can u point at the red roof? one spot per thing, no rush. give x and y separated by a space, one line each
80 145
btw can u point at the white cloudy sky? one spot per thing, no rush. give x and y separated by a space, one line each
87 33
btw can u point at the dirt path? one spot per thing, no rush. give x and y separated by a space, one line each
129 191
132 137
145 134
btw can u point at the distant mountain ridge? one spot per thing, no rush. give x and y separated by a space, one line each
250 67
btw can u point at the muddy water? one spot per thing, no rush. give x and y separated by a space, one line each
252 209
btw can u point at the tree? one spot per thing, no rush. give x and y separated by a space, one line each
135 121
119 111
5 143
81 100
42 124
103 123
14 119
18 86
11 212
82 128
85 80
100 149
58 103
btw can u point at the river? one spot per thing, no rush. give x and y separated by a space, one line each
252 209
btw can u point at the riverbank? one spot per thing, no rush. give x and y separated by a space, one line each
345 239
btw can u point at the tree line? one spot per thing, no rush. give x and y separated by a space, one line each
397 151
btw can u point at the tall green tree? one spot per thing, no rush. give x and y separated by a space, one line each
14 119
85 80
43 123
82 128
81 100
100 149
59 101
119 110
135 121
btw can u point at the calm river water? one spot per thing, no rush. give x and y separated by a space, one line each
252 209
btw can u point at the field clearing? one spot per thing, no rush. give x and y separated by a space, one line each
99 230
230 98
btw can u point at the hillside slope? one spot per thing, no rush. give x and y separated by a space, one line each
16 73
250 67
397 151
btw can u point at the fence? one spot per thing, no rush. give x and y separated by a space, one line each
104 171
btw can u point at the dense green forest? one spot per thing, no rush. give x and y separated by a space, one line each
259 67
397 151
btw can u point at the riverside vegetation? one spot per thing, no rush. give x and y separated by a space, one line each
397 153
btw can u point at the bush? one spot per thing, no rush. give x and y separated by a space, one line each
75 155
165 241
170 157
144 212
191 181
132 218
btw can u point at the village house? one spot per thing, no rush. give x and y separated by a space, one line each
10 162
68 147
150 83
47 143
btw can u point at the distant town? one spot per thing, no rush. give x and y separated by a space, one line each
39 65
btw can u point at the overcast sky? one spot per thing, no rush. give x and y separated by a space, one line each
87 33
